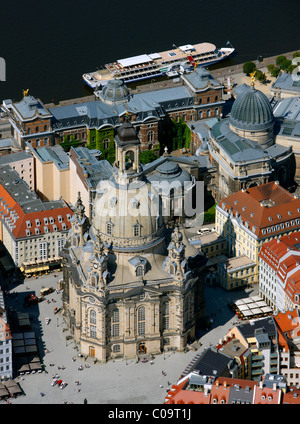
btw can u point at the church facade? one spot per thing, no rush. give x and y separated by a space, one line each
130 287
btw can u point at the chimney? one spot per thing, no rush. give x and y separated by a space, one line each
261 385
225 384
274 387
217 383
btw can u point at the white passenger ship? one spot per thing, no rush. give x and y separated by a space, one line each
171 62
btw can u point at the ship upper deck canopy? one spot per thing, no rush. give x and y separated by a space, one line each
135 60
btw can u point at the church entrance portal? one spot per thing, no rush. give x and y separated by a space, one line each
142 348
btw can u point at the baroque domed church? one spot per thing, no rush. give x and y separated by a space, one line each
243 147
130 287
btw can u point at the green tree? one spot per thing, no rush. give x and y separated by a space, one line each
285 64
273 70
147 156
291 68
248 67
260 76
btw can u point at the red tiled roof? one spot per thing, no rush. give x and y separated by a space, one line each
283 256
264 206
20 224
267 396
5 329
291 397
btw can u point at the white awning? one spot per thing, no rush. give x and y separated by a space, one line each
135 60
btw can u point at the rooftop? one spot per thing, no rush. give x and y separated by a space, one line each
266 205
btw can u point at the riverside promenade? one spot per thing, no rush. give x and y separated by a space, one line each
219 74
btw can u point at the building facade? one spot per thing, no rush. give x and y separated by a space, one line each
125 294
31 230
92 124
254 216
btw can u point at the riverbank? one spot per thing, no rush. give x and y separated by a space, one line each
235 72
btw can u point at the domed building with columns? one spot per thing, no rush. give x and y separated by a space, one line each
130 287
243 147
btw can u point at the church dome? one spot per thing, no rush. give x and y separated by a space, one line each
170 171
115 91
128 217
251 111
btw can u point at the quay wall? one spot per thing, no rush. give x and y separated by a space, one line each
216 73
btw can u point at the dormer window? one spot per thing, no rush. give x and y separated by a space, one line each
37 222
46 229
139 271
59 218
55 228
46 221
64 226
37 231
27 233
68 216
51 220
28 224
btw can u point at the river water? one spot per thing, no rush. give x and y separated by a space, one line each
48 45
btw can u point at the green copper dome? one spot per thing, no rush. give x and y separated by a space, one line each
251 111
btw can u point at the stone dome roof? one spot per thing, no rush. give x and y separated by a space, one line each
170 171
115 91
119 209
251 111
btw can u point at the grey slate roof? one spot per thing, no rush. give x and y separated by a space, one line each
212 363
241 395
98 113
267 324
21 193
29 106
241 149
287 82
94 169
200 78
54 154
14 157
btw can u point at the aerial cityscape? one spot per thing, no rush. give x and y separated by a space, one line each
150 233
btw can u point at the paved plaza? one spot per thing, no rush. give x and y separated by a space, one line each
116 382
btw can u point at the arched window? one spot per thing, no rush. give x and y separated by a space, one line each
94 280
92 316
172 269
116 348
106 143
216 99
139 271
116 323
141 318
28 131
93 332
165 315
109 227
137 229
150 136
45 127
